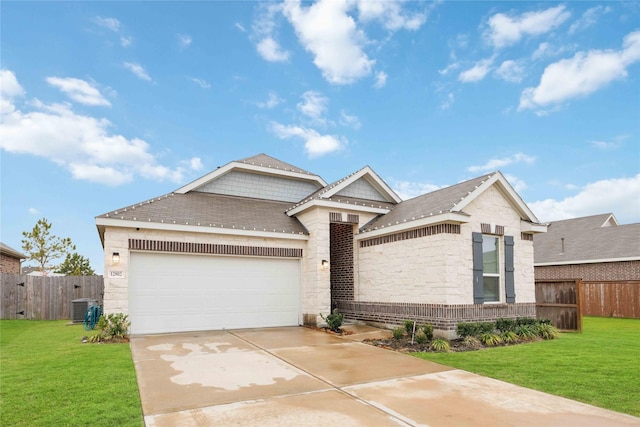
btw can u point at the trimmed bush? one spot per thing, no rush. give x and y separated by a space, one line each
421 337
428 331
504 325
474 329
398 333
408 326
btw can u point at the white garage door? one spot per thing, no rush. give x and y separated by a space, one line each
176 293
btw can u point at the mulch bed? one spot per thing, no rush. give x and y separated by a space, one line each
404 345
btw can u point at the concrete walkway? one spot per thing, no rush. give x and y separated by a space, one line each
297 376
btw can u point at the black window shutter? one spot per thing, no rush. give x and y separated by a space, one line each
508 270
478 267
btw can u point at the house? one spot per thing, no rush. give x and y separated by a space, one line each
10 259
259 242
603 254
589 248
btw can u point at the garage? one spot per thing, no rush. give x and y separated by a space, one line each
179 292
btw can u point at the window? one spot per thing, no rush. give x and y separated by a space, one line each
490 268
487 275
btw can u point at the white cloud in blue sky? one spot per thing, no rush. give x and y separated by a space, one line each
427 93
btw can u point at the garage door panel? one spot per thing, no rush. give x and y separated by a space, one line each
173 293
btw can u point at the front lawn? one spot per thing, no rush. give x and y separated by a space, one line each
49 378
601 366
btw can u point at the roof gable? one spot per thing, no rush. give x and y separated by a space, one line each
260 164
446 201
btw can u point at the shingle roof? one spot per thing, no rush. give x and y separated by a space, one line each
585 240
270 162
212 210
9 251
434 203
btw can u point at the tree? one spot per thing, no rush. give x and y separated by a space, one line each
42 247
76 265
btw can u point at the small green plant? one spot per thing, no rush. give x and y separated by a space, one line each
408 326
421 337
112 327
398 333
472 342
509 337
526 332
490 339
428 331
547 331
334 320
440 345
474 329
526 321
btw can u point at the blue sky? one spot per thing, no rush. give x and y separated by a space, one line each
105 104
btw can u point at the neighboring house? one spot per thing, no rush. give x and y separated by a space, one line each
592 248
10 259
259 242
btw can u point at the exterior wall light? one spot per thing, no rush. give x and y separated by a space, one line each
115 258
325 264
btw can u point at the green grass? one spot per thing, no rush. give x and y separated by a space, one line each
49 378
600 367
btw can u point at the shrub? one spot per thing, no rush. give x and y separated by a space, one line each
474 329
544 321
509 337
547 331
112 327
398 333
440 344
421 337
490 339
526 332
526 321
472 342
408 326
504 325
428 331
334 320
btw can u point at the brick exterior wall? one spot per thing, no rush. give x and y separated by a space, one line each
622 270
9 265
341 249
443 317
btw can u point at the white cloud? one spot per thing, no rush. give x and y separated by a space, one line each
451 67
81 144
270 50
448 102
605 145
9 86
79 90
504 30
495 164
240 27
200 82
110 23
511 71
315 144
581 75
313 104
390 14
408 190
184 40
272 102
589 18
337 48
617 195
349 120
34 211
477 72
126 41
196 164
381 80
138 70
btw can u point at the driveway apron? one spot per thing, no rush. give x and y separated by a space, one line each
299 376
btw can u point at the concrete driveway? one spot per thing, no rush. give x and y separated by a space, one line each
297 376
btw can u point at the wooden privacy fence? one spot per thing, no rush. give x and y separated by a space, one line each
45 298
611 298
560 301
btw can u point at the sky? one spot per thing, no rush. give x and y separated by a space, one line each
105 104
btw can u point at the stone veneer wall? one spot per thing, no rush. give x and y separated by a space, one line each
9 265
443 317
